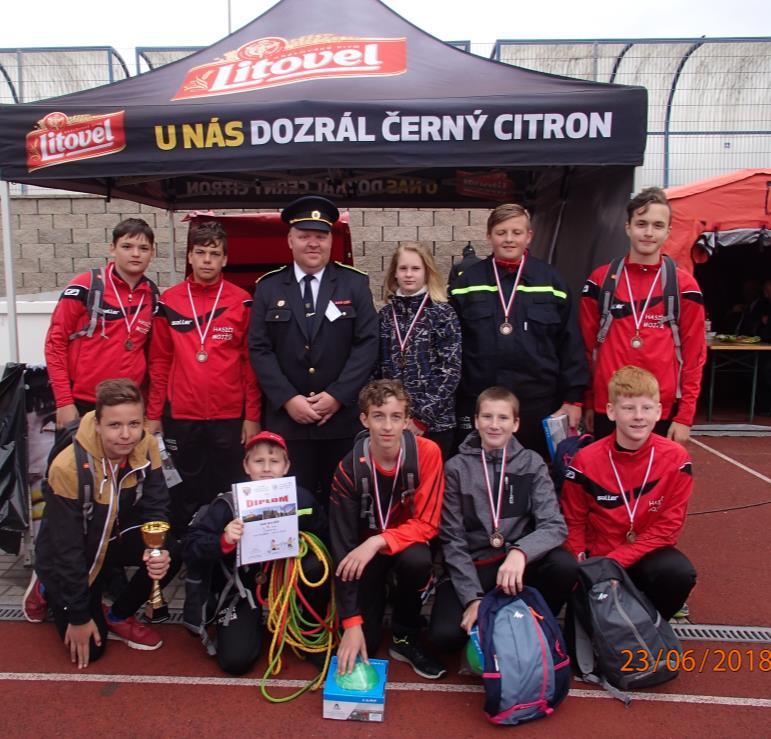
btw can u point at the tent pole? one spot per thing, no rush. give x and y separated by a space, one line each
10 282
172 244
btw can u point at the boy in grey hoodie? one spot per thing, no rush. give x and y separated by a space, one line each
501 524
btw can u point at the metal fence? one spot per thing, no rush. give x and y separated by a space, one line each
709 102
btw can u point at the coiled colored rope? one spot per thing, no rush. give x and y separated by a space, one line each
292 620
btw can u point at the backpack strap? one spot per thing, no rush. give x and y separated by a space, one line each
409 477
671 293
607 291
84 464
94 302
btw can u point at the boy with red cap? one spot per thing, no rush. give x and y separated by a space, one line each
213 538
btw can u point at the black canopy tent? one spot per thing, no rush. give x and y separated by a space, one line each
344 98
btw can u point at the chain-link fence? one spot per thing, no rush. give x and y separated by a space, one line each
709 107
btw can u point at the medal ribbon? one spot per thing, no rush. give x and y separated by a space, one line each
203 334
403 342
129 324
631 511
506 305
495 510
638 320
384 521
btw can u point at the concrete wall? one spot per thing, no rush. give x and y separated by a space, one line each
56 237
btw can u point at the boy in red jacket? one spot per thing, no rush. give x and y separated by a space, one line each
626 496
638 335
80 355
199 365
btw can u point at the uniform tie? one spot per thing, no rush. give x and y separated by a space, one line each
308 303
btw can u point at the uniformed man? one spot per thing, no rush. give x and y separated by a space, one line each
313 342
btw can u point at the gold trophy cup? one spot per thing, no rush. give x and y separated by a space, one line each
154 537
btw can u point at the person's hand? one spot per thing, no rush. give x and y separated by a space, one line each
352 565
66 414
153 426
679 432
77 639
301 411
589 420
249 429
234 531
157 566
351 646
412 426
325 405
470 616
509 578
573 412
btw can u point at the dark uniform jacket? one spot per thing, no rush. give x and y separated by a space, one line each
543 357
338 358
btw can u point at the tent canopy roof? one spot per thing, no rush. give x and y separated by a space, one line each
340 97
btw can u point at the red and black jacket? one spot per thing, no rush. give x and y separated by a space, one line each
222 387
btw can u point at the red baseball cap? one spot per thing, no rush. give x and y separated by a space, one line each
266 436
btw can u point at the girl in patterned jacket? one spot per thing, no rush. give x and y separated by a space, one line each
420 342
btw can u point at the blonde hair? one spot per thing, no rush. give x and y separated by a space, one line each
632 382
435 286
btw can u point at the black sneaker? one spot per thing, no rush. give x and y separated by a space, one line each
404 649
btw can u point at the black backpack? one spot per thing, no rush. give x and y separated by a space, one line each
671 296
409 478
202 605
563 458
621 641
95 302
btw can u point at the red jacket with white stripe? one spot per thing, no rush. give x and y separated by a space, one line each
657 355
222 387
594 510
77 366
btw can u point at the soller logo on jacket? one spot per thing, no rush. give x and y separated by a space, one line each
272 61
59 138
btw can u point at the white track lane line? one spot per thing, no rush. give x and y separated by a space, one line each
732 461
60 677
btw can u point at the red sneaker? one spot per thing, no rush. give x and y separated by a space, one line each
34 604
136 635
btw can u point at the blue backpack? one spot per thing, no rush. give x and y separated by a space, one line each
526 665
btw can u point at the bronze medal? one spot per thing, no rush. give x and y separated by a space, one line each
506 328
201 355
128 345
637 342
496 539
631 537
402 361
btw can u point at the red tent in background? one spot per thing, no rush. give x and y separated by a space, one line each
730 210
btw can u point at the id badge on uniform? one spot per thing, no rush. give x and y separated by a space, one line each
332 312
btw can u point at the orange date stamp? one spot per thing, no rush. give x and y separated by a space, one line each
691 660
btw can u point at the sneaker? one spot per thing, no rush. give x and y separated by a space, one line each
136 635
684 612
34 603
404 649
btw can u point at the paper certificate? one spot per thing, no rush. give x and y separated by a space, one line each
268 509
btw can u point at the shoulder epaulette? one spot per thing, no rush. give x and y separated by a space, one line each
352 268
268 274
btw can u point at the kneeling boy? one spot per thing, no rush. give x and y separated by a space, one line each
501 524
385 506
212 538
74 546
626 496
